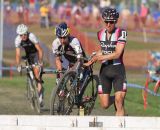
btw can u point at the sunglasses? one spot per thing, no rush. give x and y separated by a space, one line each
62 37
110 22
23 35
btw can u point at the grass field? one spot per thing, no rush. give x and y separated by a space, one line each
13 99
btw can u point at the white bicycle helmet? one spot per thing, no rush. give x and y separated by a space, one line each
22 29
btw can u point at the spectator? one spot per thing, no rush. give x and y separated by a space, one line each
144 12
96 16
32 7
20 12
44 13
77 13
104 3
136 21
68 9
7 8
125 15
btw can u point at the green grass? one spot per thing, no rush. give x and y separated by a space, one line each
133 102
45 36
13 95
133 45
18 82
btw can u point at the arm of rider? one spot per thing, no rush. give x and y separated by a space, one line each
93 59
18 53
58 63
116 54
100 57
59 67
40 54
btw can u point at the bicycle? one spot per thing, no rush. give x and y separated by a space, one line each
76 89
31 86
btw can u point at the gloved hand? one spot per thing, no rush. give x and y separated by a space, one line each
19 68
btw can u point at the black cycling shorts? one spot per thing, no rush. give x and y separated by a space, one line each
113 75
33 59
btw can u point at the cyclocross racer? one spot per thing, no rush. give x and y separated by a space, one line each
34 53
65 45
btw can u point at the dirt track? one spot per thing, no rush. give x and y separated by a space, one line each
135 59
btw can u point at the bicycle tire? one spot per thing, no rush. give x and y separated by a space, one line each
30 92
36 101
64 104
89 94
28 88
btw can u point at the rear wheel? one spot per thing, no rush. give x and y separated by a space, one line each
89 94
63 96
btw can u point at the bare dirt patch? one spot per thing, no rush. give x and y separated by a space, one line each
136 58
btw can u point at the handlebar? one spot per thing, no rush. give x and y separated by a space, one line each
78 56
26 67
52 71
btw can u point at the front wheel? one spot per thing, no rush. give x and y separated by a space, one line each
29 88
63 96
89 93
30 92
35 98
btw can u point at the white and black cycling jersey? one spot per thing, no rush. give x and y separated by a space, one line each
28 45
74 47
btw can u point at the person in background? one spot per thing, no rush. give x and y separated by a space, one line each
144 12
44 13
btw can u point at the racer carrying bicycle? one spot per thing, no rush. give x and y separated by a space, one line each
112 73
65 45
34 53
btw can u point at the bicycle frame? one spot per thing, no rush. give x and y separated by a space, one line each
28 69
75 90
32 91
78 68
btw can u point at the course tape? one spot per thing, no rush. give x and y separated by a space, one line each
9 68
142 87
13 68
53 70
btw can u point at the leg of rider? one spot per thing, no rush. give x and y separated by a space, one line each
119 102
157 86
36 70
106 100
